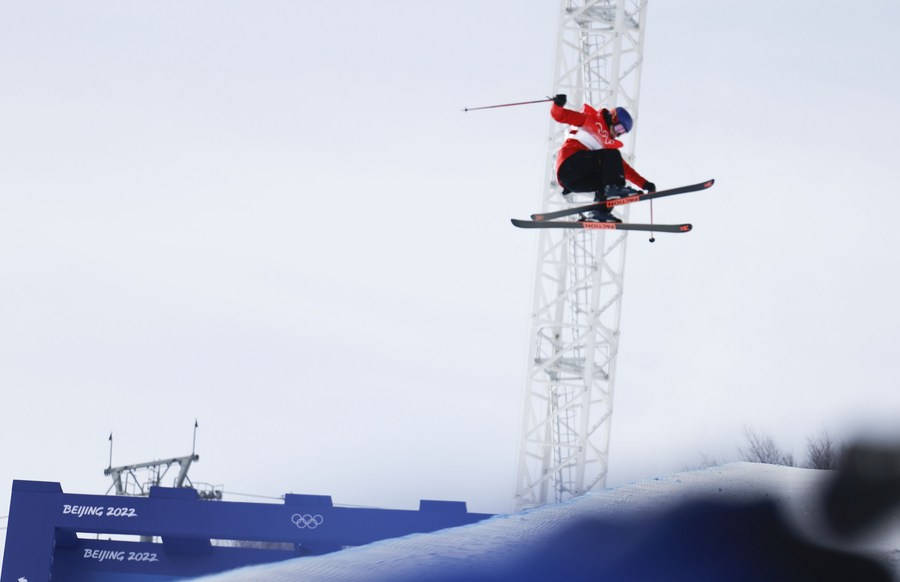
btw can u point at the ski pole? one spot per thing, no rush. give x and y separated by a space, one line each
508 104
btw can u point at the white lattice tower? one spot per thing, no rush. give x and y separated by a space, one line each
579 275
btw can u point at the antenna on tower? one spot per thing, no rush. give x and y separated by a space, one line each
136 480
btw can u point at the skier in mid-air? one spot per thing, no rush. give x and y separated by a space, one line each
590 161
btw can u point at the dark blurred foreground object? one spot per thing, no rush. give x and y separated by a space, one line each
696 542
866 489
706 540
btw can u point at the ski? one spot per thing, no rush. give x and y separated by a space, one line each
620 201
601 225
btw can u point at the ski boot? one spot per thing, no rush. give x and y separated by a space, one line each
614 192
600 215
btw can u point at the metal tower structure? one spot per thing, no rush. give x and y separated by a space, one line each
137 480
579 275
128 479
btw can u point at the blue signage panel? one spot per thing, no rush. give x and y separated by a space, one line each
100 538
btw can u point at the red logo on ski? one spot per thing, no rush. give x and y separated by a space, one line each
620 201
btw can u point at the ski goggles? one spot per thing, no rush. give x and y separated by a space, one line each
619 129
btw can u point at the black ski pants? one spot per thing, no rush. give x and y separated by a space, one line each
591 171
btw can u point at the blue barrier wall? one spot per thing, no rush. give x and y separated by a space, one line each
53 535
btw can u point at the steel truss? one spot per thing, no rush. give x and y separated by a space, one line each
579 275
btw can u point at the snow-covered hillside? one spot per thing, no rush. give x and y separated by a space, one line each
739 521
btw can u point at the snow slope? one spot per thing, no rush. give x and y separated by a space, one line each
691 525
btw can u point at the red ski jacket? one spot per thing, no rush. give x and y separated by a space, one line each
589 132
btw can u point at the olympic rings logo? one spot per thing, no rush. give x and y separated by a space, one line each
307 521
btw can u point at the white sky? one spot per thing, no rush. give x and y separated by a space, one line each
275 218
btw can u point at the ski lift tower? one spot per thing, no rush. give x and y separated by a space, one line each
579 276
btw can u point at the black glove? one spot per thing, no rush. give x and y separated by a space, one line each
649 186
560 100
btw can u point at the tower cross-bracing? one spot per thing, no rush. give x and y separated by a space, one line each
579 276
